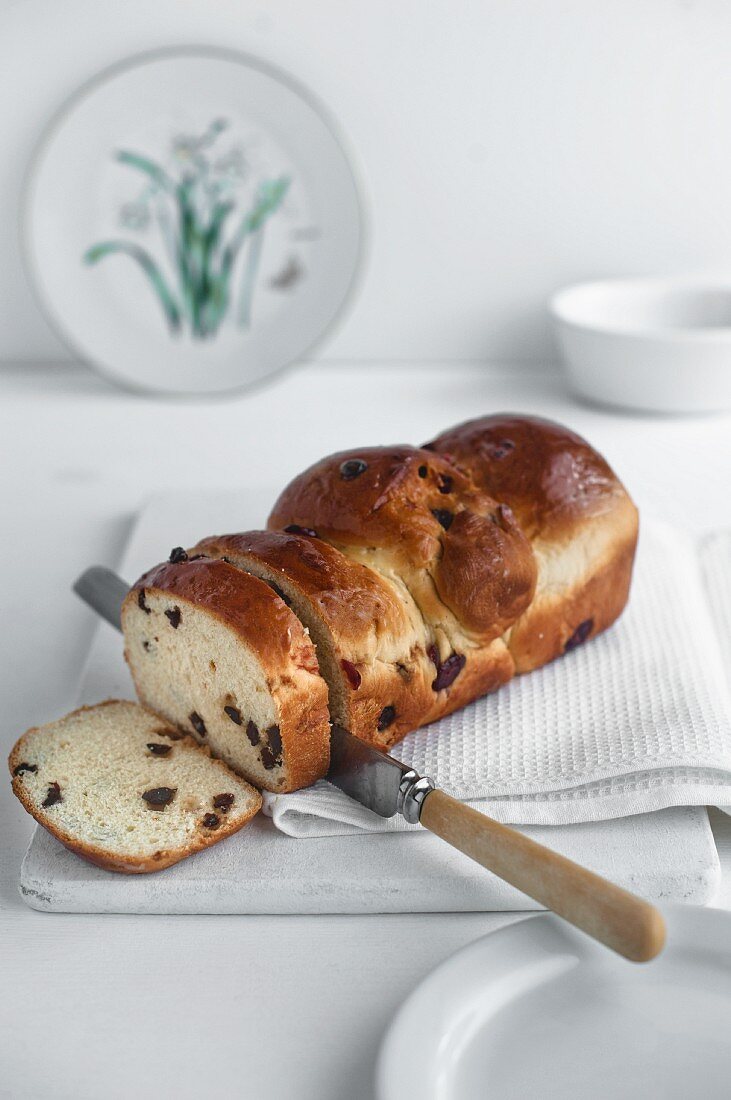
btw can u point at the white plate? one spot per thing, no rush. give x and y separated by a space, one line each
539 1011
169 153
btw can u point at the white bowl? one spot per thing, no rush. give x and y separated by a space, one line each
657 344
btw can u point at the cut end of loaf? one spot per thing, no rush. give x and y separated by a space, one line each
125 790
218 653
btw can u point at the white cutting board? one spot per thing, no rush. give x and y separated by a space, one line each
669 855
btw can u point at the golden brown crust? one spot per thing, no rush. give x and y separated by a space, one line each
459 553
93 854
557 622
351 598
254 611
581 522
551 477
244 603
486 572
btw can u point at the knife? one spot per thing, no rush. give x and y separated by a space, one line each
613 916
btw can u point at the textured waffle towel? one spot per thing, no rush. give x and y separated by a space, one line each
636 720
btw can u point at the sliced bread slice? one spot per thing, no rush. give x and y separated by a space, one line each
219 654
126 791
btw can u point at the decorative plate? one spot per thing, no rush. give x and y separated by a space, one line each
539 1010
193 222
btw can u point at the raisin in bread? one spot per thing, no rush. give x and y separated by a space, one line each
369 637
125 790
219 654
576 513
454 551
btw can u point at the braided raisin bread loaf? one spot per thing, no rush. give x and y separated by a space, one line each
510 535
395 584
218 653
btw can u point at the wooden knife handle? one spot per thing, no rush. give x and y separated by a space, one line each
616 918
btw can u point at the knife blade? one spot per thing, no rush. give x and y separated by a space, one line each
103 591
620 920
371 777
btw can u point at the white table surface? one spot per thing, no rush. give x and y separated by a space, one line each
234 1006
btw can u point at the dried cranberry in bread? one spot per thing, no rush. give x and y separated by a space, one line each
218 653
578 516
126 791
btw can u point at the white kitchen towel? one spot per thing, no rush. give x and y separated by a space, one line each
715 556
636 720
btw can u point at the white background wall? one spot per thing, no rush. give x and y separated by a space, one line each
508 146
